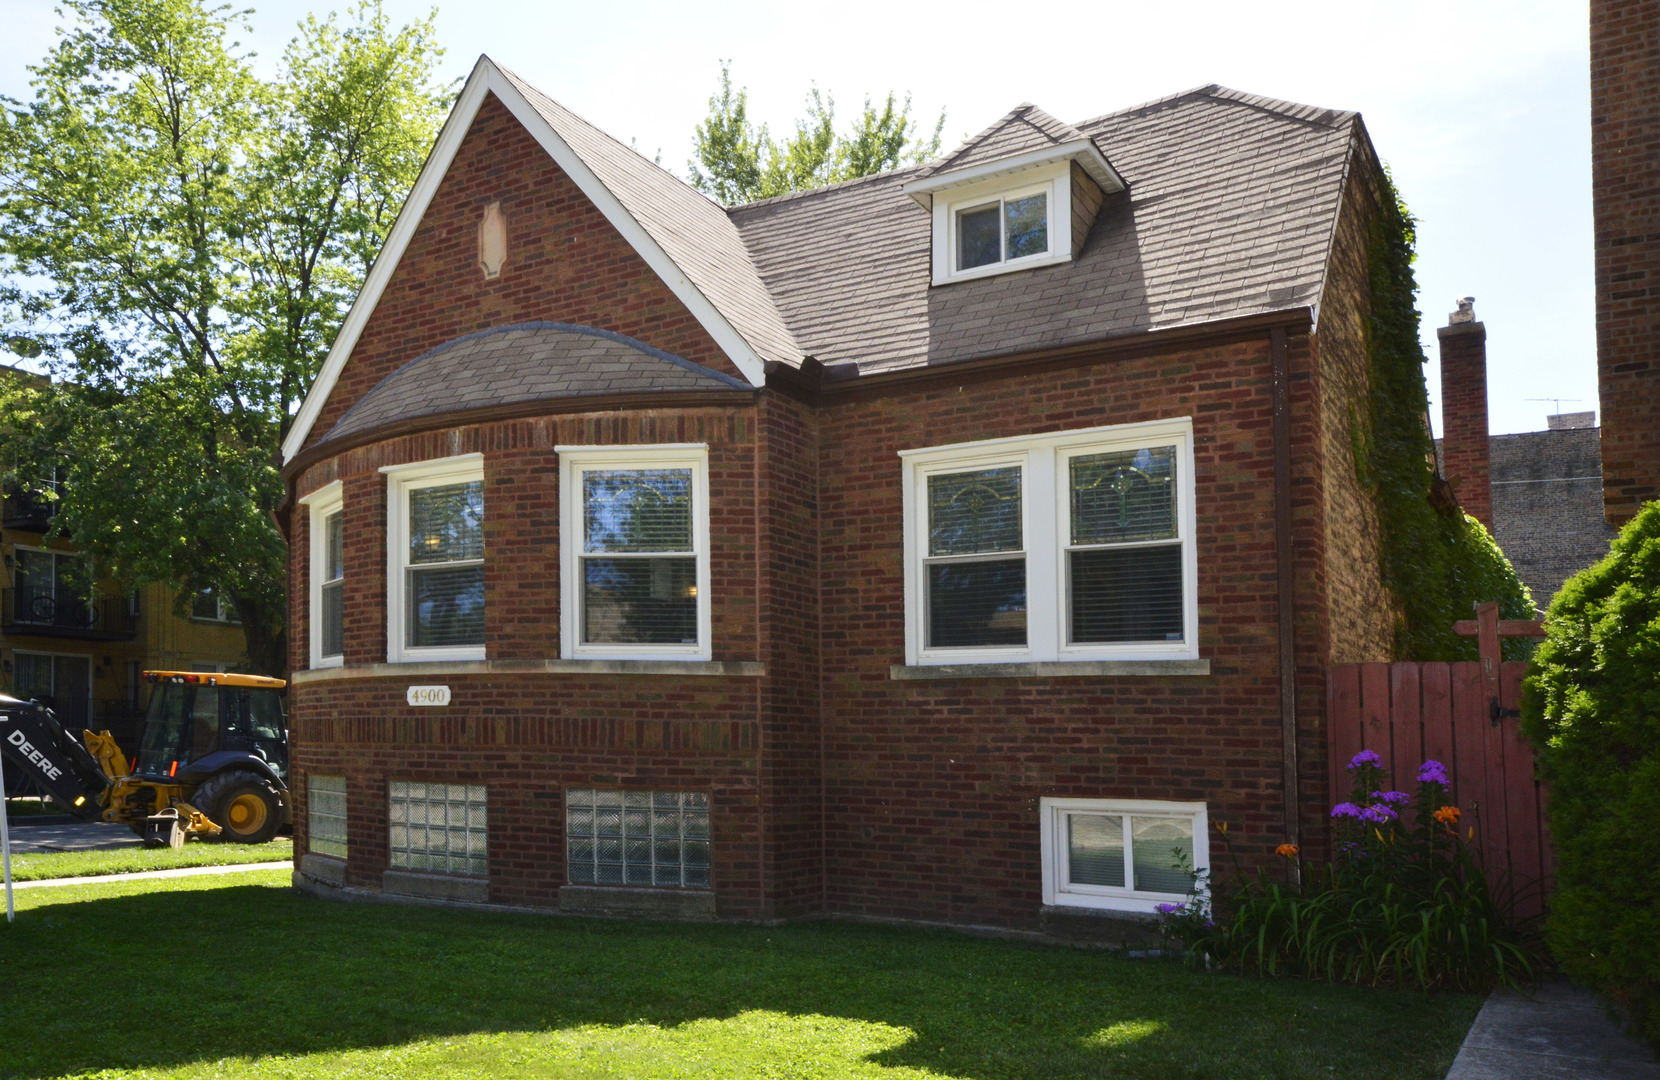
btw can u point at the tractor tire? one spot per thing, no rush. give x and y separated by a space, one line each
244 804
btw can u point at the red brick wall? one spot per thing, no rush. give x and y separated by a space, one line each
1625 165
932 787
565 263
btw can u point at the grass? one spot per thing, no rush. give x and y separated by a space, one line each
131 860
237 976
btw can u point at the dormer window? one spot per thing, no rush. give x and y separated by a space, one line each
1003 230
1022 194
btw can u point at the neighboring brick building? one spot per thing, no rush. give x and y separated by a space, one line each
1547 502
1625 193
954 545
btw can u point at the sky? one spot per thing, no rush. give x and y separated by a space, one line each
1480 108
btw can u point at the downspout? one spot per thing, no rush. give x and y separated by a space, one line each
1285 567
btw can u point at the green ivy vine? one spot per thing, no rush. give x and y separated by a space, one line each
1438 561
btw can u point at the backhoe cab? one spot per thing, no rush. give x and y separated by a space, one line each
212 762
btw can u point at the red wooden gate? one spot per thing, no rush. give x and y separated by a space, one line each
1409 712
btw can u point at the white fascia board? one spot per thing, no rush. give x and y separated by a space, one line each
1084 151
488 78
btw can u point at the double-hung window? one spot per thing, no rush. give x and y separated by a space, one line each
328 575
1122 854
1071 546
634 580
435 560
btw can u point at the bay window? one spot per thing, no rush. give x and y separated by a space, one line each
435 560
328 575
635 552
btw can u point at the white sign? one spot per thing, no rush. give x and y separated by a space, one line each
428 695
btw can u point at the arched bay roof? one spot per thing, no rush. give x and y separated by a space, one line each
524 362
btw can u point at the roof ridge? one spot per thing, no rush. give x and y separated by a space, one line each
1314 115
528 88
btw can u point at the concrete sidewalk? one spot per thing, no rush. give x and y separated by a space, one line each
1560 1033
183 871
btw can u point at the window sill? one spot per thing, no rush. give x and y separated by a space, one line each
1051 669
471 890
683 668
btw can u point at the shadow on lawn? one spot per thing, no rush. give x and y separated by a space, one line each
162 980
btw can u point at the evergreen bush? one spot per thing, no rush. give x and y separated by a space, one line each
1591 708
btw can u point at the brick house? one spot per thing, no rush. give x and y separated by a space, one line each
961 545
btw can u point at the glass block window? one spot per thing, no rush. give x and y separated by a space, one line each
1124 854
438 828
326 815
647 838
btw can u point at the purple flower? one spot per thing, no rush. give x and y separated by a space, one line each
1379 812
1348 849
1168 909
1391 796
1365 757
1345 809
1432 772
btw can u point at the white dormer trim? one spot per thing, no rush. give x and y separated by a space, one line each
1054 180
487 78
1083 151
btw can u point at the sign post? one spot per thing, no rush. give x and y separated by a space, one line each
5 834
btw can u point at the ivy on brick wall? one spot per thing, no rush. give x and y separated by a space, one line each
1438 561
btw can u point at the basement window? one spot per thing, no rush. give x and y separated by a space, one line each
642 838
326 815
438 828
1121 854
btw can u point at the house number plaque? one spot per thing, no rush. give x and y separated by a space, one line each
428 695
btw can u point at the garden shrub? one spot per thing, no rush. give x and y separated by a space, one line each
1591 708
1405 903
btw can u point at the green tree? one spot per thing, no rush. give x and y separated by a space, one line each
181 239
737 162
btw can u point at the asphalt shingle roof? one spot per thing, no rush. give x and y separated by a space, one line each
694 230
1232 206
535 361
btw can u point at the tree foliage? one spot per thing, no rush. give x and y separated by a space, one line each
1591 709
737 162
1437 561
182 239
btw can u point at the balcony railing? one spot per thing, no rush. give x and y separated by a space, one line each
45 611
27 512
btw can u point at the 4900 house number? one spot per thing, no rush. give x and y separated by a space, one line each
428 695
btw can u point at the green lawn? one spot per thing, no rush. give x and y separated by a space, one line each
238 976
130 860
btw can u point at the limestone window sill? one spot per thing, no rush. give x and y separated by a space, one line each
683 668
1064 669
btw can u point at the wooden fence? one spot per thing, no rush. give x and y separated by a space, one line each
1462 715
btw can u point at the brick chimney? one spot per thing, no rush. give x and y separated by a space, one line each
1464 410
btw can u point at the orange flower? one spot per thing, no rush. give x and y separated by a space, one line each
1287 851
1448 815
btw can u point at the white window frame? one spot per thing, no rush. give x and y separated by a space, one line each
573 462
1059 892
326 500
400 481
1054 179
1045 533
